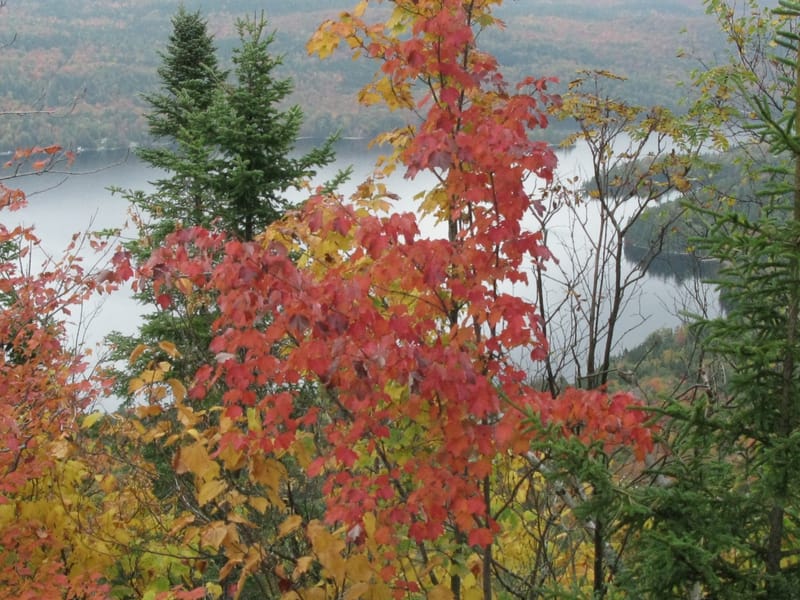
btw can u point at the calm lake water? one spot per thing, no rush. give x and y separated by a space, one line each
61 205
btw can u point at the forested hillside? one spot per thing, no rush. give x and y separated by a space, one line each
90 61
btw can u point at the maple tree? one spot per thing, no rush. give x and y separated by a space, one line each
418 417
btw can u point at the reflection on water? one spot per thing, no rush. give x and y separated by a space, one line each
673 268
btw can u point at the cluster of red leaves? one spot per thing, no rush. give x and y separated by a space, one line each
38 158
375 323
408 339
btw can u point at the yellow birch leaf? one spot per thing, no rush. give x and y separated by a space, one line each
302 449
378 591
135 384
151 376
267 471
184 285
213 590
259 503
369 524
148 410
181 522
91 419
210 490
303 565
178 389
253 420
61 449
137 352
195 459
169 348
232 459
214 534
229 566
358 568
360 8
291 523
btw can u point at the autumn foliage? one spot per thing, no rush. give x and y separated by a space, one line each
350 351
43 394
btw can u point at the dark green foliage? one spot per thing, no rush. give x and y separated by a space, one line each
254 138
189 75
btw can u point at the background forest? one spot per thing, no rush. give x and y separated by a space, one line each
321 402
103 56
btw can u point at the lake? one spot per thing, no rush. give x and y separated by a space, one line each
60 205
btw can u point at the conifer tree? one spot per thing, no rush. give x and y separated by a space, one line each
256 136
226 149
189 78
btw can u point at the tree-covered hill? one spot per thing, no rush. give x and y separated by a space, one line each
101 56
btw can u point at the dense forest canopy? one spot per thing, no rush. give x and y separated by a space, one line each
101 56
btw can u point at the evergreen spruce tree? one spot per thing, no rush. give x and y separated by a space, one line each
256 137
189 77
227 152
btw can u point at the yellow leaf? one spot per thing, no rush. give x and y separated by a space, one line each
369 524
169 348
291 523
195 459
232 459
358 568
378 591
213 590
178 389
229 566
61 449
149 376
137 352
358 11
259 503
214 534
184 285
267 471
181 523
302 449
253 420
237 518
210 490
135 384
303 564
91 419
148 410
